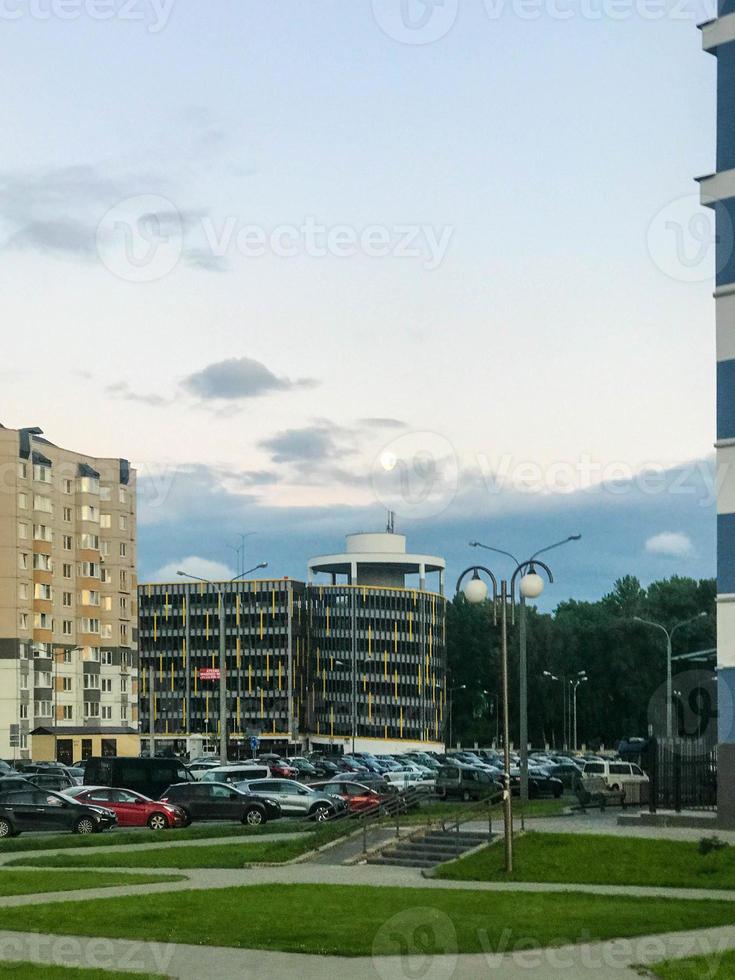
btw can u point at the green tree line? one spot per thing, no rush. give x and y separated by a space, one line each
624 660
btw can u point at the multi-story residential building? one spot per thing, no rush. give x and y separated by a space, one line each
348 664
718 192
68 601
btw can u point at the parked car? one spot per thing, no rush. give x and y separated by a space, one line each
543 783
9 784
221 801
39 810
304 769
77 774
60 781
569 774
5 769
283 770
296 799
465 783
357 796
615 773
199 769
132 809
325 767
147 776
236 773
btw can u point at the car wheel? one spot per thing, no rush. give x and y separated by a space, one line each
84 826
466 795
158 821
615 787
253 817
6 829
321 813
557 792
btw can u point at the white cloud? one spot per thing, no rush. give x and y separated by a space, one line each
201 567
670 543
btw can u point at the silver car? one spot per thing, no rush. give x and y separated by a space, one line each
296 800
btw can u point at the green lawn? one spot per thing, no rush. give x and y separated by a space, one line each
46 842
39 971
35 882
715 967
601 860
202 856
358 921
451 811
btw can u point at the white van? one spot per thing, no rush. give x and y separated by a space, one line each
236 773
617 773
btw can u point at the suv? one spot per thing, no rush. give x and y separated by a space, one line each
236 773
296 799
34 810
147 776
219 801
466 782
616 773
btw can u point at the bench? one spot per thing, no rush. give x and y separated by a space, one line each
593 791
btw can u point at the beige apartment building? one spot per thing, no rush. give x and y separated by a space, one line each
68 601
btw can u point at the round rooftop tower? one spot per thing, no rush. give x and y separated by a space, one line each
378 560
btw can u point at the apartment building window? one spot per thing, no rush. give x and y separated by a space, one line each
24 682
91 654
67 656
123 580
43 504
23 712
66 570
23 501
88 484
67 486
105 494
41 473
22 530
105 521
43 621
89 513
105 549
123 685
107 603
89 569
90 598
91 682
43 563
42 591
106 685
42 709
124 635
106 633
42 651
67 627
43 679
123 712
123 606
68 542
107 657
123 522
89 541
106 712
123 550
23 591
91 709
67 711
122 495
23 471
106 576
23 651
125 658
66 683
88 625
67 514
22 560
67 599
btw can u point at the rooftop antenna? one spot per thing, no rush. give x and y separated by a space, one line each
240 551
391 528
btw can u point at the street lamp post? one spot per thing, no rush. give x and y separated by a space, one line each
531 587
669 674
461 687
581 678
220 590
476 592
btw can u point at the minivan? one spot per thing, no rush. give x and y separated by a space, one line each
465 782
147 776
616 773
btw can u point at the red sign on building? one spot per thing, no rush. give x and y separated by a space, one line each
209 674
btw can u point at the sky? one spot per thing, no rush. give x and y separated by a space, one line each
307 262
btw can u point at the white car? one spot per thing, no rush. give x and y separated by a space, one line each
616 773
198 769
409 779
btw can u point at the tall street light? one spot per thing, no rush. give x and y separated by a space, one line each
476 592
531 587
562 679
669 678
220 590
462 687
581 678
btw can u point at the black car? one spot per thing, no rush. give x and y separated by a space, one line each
540 783
325 768
16 783
36 809
220 801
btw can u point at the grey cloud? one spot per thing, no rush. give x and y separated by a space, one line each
201 258
238 378
123 391
312 444
378 423
63 236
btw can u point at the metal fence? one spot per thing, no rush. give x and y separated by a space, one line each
683 774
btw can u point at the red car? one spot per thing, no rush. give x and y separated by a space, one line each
356 796
283 771
132 809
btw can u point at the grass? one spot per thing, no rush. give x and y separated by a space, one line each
600 860
321 919
36 882
717 966
46 842
473 811
201 856
41 971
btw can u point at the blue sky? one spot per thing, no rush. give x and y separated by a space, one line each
536 160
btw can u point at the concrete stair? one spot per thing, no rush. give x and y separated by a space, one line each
428 849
